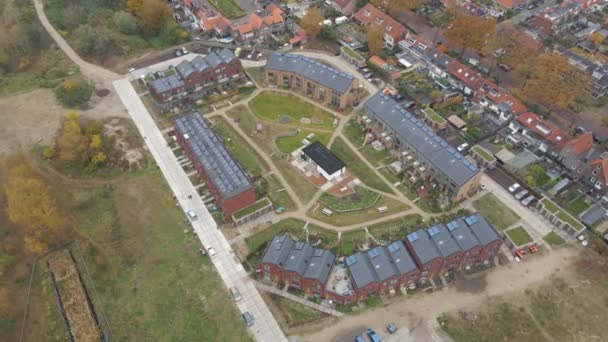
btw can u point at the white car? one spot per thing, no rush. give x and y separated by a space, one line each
211 251
462 147
514 187
192 215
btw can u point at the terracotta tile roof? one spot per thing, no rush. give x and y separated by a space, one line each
369 14
603 163
377 61
509 3
468 76
581 144
543 128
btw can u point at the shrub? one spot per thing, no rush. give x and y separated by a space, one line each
90 41
125 22
73 93
49 152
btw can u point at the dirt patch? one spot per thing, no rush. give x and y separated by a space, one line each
34 117
127 142
471 283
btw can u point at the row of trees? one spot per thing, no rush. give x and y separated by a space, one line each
32 207
80 144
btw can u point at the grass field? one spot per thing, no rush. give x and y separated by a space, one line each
353 133
257 73
294 313
271 106
519 236
152 282
553 239
228 8
500 216
354 164
277 195
362 198
239 149
396 229
359 216
290 144
303 188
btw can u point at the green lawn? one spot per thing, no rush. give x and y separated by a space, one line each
228 8
349 239
359 216
553 239
357 167
278 195
353 133
562 215
259 240
271 106
396 229
577 206
290 144
261 203
151 280
353 54
362 198
240 150
519 236
499 215
303 188
433 116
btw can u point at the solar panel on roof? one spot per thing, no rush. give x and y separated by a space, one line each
318 252
299 245
466 162
419 124
453 225
444 144
471 220
351 260
393 247
434 230
372 253
472 168
412 236
437 139
458 156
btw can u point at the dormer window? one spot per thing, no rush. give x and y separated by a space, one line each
580 171
379 20
389 28
594 172
367 13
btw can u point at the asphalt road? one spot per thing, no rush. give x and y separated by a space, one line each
231 271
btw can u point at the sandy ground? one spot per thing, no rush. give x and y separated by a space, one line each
34 117
416 316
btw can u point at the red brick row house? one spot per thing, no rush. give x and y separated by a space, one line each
424 255
224 177
200 76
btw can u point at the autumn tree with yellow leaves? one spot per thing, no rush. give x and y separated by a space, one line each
310 22
375 38
470 32
31 207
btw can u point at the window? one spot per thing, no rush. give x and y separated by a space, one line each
298 82
322 94
389 28
367 13
379 20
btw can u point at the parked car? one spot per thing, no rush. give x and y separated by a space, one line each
248 317
359 339
391 328
191 215
372 335
521 194
473 61
514 187
462 147
504 67
484 69
368 75
499 53
236 295
526 201
211 251
408 104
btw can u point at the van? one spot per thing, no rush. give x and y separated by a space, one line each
236 295
191 215
248 318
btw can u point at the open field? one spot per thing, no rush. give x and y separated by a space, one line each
144 263
500 216
569 308
364 173
289 109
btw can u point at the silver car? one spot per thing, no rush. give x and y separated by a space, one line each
521 194
526 201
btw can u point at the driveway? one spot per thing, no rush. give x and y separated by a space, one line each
232 272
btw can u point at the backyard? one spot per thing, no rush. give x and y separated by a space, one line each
228 8
289 109
144 264
354 164
500 216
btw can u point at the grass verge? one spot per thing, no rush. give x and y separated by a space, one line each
499 215
519 236
553 239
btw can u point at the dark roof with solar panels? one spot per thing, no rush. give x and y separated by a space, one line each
207 147
422 138
311 69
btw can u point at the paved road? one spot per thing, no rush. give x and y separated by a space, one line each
227 264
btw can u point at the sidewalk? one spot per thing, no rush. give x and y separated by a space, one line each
299 300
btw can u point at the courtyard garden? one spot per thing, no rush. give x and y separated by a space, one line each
356 216
289 109
499 215
361 198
